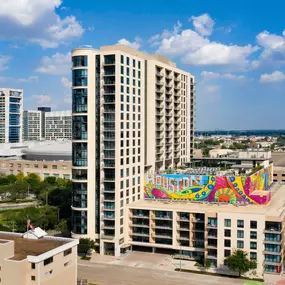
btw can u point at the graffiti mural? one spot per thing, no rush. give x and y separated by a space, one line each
251 189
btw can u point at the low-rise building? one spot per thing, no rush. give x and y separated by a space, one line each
44 159
27 260
209 216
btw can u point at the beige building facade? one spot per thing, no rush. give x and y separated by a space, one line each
131 111
44 261
44 169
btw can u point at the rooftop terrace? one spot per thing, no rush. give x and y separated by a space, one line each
275 208
25 247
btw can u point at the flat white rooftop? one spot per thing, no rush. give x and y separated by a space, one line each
275 208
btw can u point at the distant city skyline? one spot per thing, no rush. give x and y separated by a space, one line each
236 54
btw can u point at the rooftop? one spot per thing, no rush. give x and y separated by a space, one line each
275 208
34 247
278 158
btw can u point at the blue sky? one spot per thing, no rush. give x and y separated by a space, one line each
235 51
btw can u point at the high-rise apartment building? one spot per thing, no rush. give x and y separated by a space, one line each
11 108
131 112
44 110
58 125
32 125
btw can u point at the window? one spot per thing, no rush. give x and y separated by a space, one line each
27 165
240 244
48 261
227 243
45 166
227 233
134 63
122 79
227 252
64 167
66 176
19 165
54 167
128 61
253 255
139 65
227 222
122 70
253 245
240 234
67 252
122 59
253 224
253 235
33 278
33 265
240 223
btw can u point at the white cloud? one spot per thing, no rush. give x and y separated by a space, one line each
273 53
166 34
3 62
275 76
216 75
29 79
219 54
36 21
135 44
198 50
41 99
66 82
26 12
203 24
57 64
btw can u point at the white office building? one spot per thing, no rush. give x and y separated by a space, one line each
11 108
131 112
32 125
58 125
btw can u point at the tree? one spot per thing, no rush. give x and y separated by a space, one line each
85 245
272 146
20 176
62 226
207 264
238 262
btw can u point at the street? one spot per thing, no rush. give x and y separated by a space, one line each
106 274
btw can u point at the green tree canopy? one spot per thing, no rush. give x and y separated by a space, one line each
238 262
85 244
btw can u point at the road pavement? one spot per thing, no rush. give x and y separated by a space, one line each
109 274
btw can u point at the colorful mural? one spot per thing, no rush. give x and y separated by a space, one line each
229 189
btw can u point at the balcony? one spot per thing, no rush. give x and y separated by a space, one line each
177 78
169 85
139 234
109 62
168 76
277 263
272 252
177 86
160 83
166 217
272 242
183 238
212 246
140 216
161 236
211 257
212 226
108 218
272 231
159 73
163 227
139 225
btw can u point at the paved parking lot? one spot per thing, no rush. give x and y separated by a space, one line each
110 274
